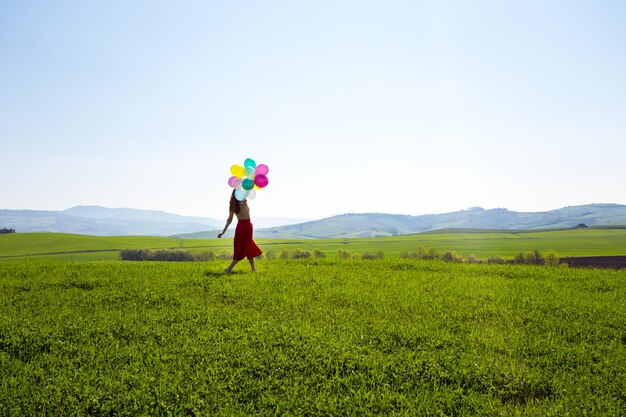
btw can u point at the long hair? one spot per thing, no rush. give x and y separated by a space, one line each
235 205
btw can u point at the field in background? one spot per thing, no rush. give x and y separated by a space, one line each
310 337
590 242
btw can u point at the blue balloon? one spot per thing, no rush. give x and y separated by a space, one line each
241 194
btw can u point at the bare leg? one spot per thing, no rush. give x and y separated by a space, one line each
251 260
231 266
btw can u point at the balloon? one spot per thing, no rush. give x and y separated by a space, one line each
248 179
262 169
261 181
247 184
241 194
235 182
238 171
249 163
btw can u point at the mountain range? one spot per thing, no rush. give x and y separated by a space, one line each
103 221
95 220
379 224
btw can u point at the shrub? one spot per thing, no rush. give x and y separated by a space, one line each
447 256
344 254
318 254
136 254
552 259
528 258
205 256
496 260
224 256
284 254
301 254
471 259
159 255
377 255
172 256
270 254
421 252
451 256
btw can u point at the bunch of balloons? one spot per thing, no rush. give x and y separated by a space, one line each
247 179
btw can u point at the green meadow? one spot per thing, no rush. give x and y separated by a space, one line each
310 337
590 242
83 333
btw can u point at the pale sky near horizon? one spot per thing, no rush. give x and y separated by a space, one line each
407 107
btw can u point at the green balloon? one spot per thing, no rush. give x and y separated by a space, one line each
249 163
247 184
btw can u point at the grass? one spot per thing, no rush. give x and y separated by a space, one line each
310 337
590 242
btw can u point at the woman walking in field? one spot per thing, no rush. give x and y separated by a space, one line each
243 245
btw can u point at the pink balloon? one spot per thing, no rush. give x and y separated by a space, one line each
262 169
260 180
235 182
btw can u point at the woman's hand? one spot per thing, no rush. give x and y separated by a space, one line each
230 219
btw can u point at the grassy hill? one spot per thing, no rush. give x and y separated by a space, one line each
580 242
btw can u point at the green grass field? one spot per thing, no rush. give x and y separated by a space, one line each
310 337
591 242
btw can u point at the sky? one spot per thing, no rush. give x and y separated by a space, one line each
404 107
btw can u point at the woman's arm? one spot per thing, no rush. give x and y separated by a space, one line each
228 222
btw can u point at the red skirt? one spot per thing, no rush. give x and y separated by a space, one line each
244 246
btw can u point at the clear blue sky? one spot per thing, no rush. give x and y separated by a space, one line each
408 107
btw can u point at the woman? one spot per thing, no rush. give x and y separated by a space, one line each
243 245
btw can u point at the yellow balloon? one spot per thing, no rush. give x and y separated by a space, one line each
256 187
238 171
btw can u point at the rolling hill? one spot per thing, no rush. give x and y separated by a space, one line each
376 224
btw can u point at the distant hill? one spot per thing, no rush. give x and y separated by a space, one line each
103 221
375 224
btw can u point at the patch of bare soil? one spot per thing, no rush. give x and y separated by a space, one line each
616 262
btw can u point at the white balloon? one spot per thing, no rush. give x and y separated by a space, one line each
251 194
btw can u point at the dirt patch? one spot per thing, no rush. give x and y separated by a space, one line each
615 262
